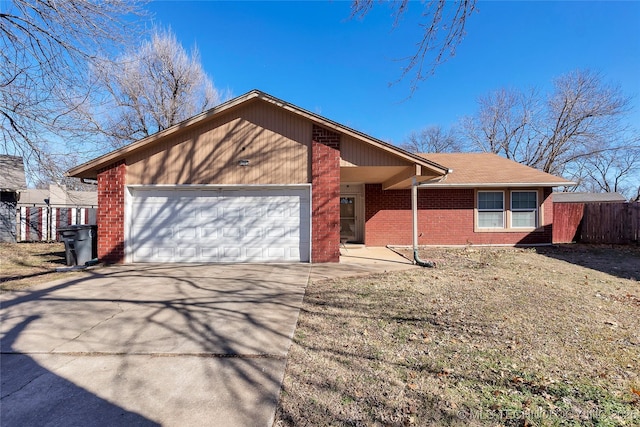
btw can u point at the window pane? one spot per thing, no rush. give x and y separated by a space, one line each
523 219
491 200
523 200
490 219
347 207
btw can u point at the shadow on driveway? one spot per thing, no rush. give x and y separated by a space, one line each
34 396
177 344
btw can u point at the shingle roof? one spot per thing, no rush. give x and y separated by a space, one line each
488 170
12 173
588 197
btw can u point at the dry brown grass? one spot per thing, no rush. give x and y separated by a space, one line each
490 337
26 264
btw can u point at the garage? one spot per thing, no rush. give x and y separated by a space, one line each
218 224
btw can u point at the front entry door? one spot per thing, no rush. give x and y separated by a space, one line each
349 230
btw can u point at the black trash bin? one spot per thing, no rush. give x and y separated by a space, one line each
80 243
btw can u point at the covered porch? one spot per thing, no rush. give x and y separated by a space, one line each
384 165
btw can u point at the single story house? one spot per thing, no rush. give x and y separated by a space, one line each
12 183
259 179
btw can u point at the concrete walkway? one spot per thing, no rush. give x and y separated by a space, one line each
171 345
360 260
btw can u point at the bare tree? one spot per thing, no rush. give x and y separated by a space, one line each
613 171
504 124
432 139
582 119
443 30
45 50
150 88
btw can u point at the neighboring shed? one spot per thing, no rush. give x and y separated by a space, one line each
259 179
12 182
577 197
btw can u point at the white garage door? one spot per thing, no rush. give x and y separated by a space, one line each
263 224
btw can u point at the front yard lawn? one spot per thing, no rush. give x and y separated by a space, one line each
26 264
508 337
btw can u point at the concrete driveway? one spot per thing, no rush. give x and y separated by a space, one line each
150 345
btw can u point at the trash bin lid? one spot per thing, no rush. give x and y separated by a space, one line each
75 227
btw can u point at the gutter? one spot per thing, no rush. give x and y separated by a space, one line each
414 212
440 184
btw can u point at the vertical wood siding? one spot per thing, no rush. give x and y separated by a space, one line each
357 153
275 142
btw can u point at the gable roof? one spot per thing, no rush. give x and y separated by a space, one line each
90 168
490 170
12 177
571 197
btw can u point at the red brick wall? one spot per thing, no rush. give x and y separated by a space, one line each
445 217
110 216
325 198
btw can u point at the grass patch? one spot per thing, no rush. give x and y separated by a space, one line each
491 337
26 264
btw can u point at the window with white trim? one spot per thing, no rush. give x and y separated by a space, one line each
490 209
524 209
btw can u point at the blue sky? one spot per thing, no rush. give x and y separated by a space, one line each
311 54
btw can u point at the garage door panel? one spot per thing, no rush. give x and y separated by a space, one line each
186 232
209 253
254 253
231 253
294 253
253 212
188 253
166 253
277 253
208 212
253 232
207 233
187 213
177 225
293 233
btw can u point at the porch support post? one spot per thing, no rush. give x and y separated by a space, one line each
414 212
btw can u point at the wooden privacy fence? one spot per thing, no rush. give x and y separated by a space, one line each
41 223
608 223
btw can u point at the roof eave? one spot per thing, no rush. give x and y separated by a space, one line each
495 184
118 154
354 133
89 169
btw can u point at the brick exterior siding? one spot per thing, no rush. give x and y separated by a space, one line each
110 216
445 217
325 198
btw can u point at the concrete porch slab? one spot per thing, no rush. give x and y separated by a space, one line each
360 260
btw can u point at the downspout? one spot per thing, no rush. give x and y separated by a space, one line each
414 212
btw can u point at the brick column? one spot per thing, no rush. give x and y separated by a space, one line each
110 216
325 198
